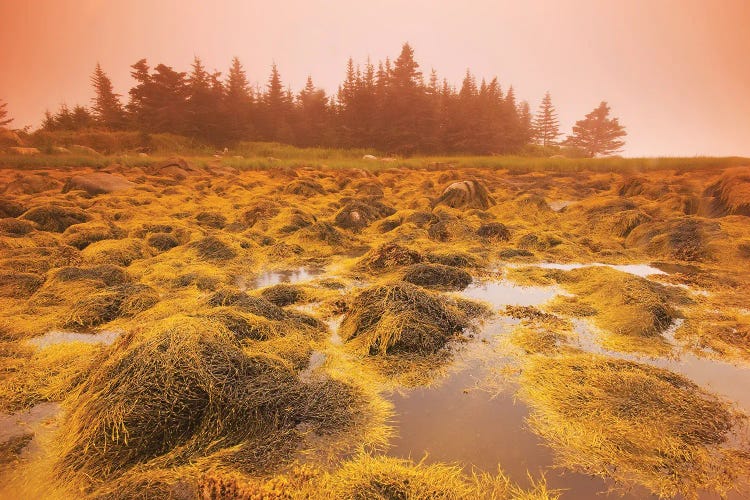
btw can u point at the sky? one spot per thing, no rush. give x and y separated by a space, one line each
675 72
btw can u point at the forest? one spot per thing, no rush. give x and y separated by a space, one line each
391 107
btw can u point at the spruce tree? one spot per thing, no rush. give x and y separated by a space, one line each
238 103
4 120
107 108
313 118
546 125
203 103
597 134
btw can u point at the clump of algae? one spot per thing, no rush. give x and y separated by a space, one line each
635 423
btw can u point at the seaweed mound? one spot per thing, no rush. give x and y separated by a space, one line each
437 276
402 318
358 214
304 187
632 422
187 390
55 218
495 231
731 193
212 248
283 294
389 256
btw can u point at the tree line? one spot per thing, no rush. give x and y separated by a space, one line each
389 106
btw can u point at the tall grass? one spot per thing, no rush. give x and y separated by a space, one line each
119 146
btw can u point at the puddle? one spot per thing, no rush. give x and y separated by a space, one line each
502 293
558 205
317 359
106 337
271 278
35 421
642 270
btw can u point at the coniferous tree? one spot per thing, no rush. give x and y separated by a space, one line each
238 104
526 123
140 107
204 96
312 116
405 107
4 120
107 108
546 125
169 99
597 134
277 110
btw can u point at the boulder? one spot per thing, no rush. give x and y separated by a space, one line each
466 194
369 157
77 148
31 184
24 151
8 138
98 183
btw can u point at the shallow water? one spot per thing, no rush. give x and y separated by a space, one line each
502 293
642 270
33 421
106 337
456 421
271 278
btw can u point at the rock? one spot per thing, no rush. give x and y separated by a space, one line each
142 155
98 183
8 138
174 172
61 150
31 184
369 157
24 151
173 162
466 194
77 148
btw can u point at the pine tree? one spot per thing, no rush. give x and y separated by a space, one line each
597 134
546 125
313 117
203 103
4 120
238 103
169 100
107 108
277 109
140 109
406 105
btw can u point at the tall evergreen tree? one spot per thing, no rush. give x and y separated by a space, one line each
546 125
204 103
140 108
169 100
312 124
4 120
597 134
238 103
107 108
406 106
277 110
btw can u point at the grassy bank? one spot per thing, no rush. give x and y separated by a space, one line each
270 156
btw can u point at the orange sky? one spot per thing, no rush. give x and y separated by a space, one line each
676 72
